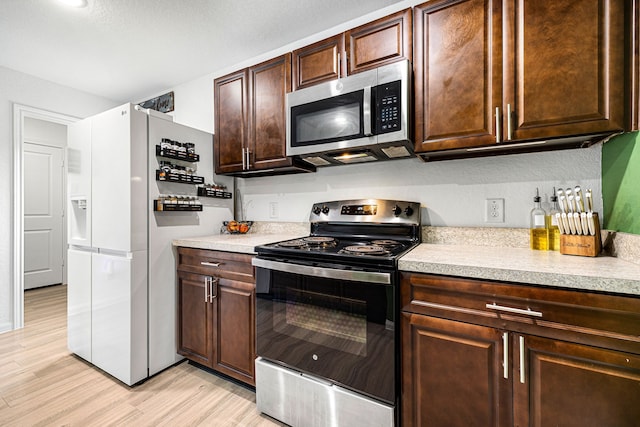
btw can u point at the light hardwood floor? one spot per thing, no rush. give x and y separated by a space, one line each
42 384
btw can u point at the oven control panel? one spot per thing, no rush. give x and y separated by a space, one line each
359 209
367 210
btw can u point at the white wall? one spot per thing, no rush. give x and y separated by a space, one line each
452 193
19 88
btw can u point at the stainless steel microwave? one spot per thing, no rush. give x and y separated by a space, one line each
360 118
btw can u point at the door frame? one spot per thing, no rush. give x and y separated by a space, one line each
19 114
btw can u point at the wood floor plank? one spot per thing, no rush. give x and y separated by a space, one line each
43 384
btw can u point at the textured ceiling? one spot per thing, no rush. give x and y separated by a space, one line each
129 49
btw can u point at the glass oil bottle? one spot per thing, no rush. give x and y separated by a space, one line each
538 231
552 223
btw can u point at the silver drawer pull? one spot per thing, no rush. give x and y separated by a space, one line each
505 354
527 312
210 264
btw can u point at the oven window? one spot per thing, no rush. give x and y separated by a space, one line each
340 330
341 324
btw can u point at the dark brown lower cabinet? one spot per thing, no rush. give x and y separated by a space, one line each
478 353
216 294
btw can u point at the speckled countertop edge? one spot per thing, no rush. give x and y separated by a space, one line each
522 265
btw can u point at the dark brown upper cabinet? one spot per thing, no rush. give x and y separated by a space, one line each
250 120
368 46
494 72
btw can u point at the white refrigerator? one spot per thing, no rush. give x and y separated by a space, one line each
122 292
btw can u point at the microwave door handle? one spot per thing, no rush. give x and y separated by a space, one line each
366 111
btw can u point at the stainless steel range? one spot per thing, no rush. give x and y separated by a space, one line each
327 315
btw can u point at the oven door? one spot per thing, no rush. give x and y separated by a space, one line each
331 323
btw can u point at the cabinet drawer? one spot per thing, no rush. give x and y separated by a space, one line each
228 265
610 321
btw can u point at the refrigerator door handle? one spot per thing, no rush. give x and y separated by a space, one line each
111 252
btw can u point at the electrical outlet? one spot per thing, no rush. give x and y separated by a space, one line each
494 210
273 210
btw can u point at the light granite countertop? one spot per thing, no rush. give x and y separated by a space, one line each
523 265
457 252
242 243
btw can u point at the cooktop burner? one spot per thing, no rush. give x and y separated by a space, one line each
365 250
366 232
319 240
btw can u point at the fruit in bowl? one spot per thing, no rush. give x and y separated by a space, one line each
237 227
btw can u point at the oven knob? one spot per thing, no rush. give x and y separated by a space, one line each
325 210
396 210
408 210
316 210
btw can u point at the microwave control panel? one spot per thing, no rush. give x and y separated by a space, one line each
388 110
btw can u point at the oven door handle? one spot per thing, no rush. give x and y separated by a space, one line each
329 273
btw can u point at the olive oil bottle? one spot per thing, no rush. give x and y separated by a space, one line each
552 223
538 230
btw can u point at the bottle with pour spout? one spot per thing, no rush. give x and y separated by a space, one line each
538 231
552 223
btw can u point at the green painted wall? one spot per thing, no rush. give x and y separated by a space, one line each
621 183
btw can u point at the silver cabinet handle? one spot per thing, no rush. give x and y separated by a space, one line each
509 126
498 131
212 294
206 289
505 354
527 312
248 160
521 359
244 165
210 264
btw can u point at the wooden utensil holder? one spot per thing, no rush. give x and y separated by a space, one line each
572 244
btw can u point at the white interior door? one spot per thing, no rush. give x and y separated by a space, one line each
43 215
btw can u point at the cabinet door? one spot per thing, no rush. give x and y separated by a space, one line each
566 70
568 384
196 314
457 72
269 83
230 112
380 42
236 329
453 374
320 62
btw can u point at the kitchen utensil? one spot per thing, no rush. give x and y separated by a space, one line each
564 206
579 199
560 223
591 222
572 225
565 223
585 223
577 222
589 196
572 203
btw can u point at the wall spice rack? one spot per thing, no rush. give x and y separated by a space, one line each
175 154
209 192
159 206
178 177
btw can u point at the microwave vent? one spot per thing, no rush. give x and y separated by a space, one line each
397 152
316 161
356 157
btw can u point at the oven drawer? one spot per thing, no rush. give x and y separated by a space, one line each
612 321
228 265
